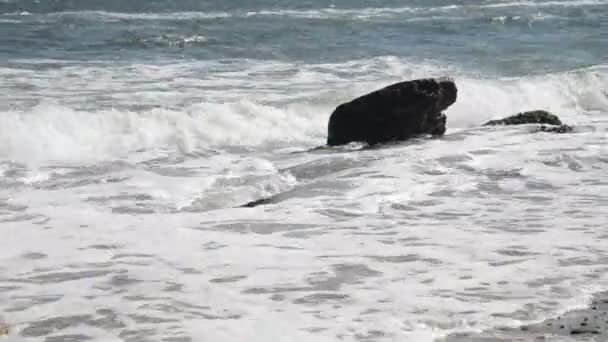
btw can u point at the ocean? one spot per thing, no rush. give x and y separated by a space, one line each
132 132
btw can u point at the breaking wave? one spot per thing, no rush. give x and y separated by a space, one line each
55 130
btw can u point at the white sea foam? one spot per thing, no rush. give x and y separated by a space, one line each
101 15
256 110
567 94
57 132
20 13
411 242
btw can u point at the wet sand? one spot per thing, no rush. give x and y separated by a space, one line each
588 324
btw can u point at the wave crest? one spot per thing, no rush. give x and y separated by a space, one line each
51 131
258 111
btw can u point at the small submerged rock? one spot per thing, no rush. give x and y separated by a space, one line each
397 112
530 117
258 202
556 129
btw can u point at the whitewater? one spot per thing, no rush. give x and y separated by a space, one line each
131 133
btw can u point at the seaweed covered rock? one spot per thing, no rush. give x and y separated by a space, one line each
530 117
397 112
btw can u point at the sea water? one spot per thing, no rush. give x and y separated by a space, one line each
131 132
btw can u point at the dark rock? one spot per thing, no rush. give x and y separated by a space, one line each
556 129
531 117
258 202
397 112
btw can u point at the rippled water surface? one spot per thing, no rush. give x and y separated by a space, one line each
131 133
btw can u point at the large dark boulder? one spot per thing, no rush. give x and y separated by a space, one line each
530 117
397 112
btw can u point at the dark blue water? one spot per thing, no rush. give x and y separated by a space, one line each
507 38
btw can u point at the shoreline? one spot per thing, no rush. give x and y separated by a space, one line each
588 324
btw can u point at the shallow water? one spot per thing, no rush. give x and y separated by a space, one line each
130 134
